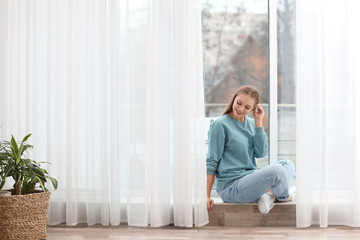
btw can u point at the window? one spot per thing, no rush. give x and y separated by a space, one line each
236 52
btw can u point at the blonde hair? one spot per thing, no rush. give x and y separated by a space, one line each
247 89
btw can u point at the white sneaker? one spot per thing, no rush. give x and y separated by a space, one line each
265 203
292 193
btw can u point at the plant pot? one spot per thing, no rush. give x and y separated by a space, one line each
24 216
5 193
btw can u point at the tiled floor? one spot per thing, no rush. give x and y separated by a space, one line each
203 233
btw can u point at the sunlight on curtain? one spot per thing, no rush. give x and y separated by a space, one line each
112 92
328 116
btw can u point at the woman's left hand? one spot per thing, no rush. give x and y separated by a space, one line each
258 113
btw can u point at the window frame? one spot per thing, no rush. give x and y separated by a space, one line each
273 86
273 81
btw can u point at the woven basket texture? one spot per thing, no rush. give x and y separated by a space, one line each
24 216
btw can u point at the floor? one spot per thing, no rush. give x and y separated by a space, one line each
207 232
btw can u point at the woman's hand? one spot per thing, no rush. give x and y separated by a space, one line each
210 203
258 113
210 180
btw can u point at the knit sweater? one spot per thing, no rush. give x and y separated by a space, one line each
232 149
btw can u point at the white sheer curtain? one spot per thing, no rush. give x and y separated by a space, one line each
328 116
112 92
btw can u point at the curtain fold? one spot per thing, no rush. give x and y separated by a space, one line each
112 92
327 113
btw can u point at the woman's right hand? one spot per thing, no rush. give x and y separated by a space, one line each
210 203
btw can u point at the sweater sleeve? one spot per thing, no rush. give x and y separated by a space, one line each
260 142
216 143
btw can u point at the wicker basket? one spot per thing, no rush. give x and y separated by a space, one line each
24 216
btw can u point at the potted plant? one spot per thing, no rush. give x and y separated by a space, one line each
24 213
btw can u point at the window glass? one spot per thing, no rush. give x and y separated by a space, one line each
235 52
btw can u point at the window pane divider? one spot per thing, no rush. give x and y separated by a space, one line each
273 105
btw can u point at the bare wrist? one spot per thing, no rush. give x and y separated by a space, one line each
258 123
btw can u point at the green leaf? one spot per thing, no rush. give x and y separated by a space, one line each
53 181
33 180
13 155
38 172
13 144
26 171
17 177
42 184
27 162
23 148
15 149
25 138
8 170
38 163
2 184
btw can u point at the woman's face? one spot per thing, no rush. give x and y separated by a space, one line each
242 106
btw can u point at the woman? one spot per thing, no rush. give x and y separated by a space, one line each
235 140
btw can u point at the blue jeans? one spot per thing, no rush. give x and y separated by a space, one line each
276 177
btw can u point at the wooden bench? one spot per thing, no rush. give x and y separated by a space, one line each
248 215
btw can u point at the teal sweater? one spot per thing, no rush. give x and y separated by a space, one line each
232 149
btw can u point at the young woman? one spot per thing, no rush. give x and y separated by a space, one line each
235 140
